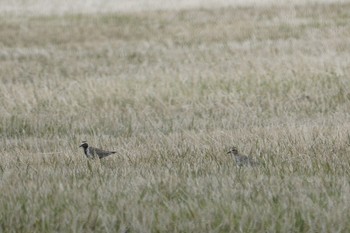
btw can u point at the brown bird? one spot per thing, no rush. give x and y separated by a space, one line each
92 152
241 160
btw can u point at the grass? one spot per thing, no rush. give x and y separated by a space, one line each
171 91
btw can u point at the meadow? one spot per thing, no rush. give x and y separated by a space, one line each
171 91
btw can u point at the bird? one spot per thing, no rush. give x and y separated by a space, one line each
241 160
92 152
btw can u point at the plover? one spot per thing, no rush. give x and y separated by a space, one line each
241 160
92 152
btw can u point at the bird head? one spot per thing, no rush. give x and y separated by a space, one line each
233 151
84 144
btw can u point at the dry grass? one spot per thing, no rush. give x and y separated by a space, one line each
171 91
58 7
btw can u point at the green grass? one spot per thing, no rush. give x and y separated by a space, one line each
171 91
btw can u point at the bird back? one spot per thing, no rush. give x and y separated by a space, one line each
99 152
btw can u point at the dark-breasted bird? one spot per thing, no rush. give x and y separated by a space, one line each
92 152
241 160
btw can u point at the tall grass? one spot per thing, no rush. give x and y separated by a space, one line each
171 91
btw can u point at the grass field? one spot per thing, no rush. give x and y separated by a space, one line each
171 92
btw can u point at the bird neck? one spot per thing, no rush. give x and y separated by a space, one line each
85 150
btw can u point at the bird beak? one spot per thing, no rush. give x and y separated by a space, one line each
229 152
81 145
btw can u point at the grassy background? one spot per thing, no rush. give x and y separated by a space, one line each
171 91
